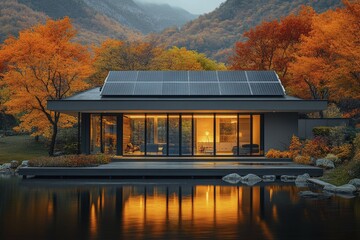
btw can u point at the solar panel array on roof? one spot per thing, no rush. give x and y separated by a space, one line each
192 83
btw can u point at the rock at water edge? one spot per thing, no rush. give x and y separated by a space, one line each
232 178
269 178
344 189
324 163
288 178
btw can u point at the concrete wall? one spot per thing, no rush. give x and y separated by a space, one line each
306 125
278 130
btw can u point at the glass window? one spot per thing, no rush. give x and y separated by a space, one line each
95 138
186 135
226 134
156 127
109 134
134 134
174 135
244 135
204 134
256 135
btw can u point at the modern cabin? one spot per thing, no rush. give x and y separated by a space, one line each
186 114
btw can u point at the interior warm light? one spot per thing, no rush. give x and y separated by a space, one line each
207 133
240 134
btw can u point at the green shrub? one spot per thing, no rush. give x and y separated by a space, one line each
71 161
354 169
321 131
356 144
333 158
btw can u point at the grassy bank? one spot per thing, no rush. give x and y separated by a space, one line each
20 148
337 176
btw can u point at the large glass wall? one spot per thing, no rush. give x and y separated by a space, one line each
134 134
203 134
226 134
244 135
256 135
178 134
186 135
156 128
95 133
109 128
174 135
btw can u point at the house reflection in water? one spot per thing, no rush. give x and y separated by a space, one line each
196 209
49 210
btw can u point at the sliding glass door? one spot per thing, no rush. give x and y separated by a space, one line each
177 134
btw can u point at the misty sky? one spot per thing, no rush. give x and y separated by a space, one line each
193 6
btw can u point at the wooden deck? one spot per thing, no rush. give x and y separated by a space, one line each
198 169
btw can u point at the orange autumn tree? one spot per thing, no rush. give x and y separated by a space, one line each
44 63
327 65
115 55
271 45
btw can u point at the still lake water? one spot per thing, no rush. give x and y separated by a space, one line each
169 209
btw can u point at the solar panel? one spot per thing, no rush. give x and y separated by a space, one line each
234 89
145 88
204 89
267 89
202 76
176 88
150 76
192 83
118 88
122 76
232 76
175 76
262 76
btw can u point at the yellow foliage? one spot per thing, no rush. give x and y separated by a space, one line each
295 146
302 159
272 153
344 152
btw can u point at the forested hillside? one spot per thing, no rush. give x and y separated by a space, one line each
93 27
215 33
95 20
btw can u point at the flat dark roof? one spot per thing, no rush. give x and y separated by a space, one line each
109 99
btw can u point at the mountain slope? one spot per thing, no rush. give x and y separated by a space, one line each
92 26
215 33
165 15
145 17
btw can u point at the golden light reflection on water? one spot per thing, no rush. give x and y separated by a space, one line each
161 209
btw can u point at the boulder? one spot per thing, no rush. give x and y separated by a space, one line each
24 163
302 178
288 178
232 178
313 195
269 178
344 189
355 182
325 163
14 164
6 166
251 179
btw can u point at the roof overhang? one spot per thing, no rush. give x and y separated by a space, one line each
187 105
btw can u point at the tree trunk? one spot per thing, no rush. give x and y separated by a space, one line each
53 139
